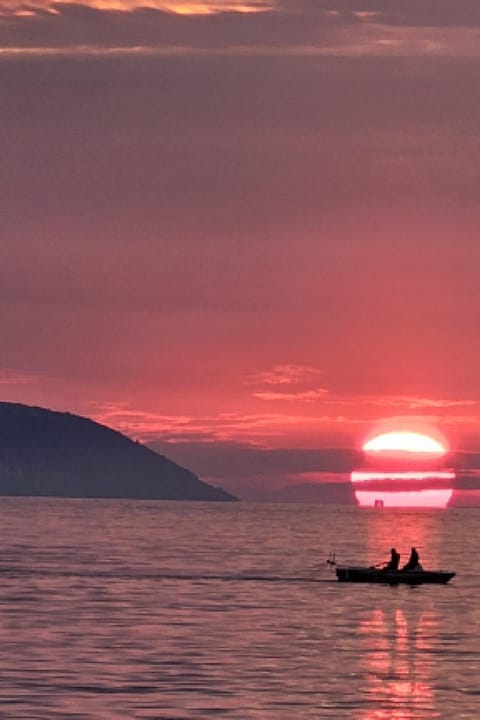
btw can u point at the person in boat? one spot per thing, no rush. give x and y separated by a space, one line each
413 561
394 561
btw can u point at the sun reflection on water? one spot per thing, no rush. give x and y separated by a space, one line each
395 647
398 635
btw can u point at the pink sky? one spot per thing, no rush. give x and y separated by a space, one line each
239 227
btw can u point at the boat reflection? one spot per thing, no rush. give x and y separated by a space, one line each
398 661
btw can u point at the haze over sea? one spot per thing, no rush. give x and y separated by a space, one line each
124 609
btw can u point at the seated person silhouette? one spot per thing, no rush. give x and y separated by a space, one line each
394 561
413 561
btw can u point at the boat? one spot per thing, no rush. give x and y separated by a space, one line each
393 577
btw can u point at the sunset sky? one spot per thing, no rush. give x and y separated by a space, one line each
244 232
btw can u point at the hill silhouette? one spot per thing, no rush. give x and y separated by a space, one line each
43 452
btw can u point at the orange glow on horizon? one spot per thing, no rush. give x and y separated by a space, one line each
402 441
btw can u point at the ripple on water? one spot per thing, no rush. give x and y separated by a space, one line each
179 611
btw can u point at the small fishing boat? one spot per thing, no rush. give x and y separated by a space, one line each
393 577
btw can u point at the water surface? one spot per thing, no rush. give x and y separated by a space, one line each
124 609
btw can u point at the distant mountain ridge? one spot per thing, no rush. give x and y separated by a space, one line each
328 493
50 453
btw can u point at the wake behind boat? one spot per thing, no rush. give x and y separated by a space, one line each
393 577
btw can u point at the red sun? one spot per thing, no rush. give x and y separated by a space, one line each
407 484
405 442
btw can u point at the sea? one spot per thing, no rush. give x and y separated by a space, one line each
136 609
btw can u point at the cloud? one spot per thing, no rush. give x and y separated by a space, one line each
255 472
223 427
387 402
78 25
465 482
407 401
350 28
12 377
259 430
466 461
181 7
288 382
406 13
300 396
242 460
289 374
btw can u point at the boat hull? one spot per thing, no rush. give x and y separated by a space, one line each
393 577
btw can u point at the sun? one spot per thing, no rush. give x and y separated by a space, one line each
403 468
404 442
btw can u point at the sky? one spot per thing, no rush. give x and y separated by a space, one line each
243 232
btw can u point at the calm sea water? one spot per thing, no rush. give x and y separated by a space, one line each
119 609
